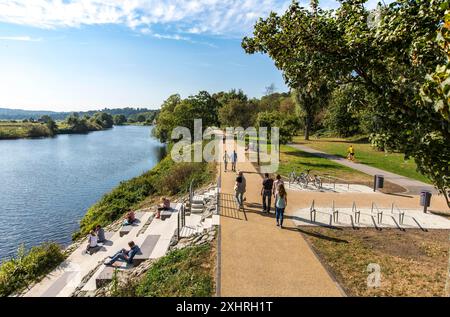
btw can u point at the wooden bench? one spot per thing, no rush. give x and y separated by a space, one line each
125 229
146 249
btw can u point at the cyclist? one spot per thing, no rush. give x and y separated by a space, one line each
351 153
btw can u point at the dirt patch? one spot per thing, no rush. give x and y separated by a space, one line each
412 263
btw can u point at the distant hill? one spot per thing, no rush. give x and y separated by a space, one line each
19 114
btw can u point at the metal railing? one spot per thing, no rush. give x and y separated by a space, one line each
181 219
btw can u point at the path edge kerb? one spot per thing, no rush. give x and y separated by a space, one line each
219 235
325 266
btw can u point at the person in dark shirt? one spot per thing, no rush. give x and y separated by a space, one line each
124 255
100 234
266 192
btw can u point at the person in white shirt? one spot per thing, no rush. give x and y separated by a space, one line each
276 184
92 241
225 160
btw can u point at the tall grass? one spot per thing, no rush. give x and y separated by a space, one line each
181 273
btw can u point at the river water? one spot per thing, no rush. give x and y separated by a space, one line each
46 185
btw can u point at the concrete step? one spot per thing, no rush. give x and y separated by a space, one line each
196 210
198 199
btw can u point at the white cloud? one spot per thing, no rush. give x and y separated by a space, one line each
223 17
20 38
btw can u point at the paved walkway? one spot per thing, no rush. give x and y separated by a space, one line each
412 186
260 259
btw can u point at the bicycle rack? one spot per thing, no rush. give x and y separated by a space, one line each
401 213
356 213
335 213
379 213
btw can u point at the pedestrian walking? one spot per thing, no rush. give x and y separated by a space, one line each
240 188
276 184
280 205
233 161
225 160
266 193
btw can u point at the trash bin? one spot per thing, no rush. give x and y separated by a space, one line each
425 199
378 182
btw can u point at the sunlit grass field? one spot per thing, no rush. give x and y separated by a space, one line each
366 154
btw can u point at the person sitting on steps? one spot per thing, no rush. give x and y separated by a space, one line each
124 255
164 205
129 219
92 242
100 234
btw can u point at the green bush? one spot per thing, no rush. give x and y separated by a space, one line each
185 272
28 267
166 178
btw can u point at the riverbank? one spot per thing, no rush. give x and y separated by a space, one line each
167 178
22 130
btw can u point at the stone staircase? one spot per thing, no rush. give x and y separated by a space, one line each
202 214
199 201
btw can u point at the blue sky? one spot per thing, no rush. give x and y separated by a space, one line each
88 54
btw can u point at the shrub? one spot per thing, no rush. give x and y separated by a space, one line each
166 178
28 267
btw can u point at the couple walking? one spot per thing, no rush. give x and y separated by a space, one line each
276 189
232 158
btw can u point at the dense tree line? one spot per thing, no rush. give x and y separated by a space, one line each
128 112
383 73
228 109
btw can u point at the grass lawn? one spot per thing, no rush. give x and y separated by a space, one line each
294 159
412 263
188 272
365 154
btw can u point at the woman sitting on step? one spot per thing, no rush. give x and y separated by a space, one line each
129 219
92 242
164 205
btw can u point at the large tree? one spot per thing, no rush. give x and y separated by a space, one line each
287 39
389 50
177 112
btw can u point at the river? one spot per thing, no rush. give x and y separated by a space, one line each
46 185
